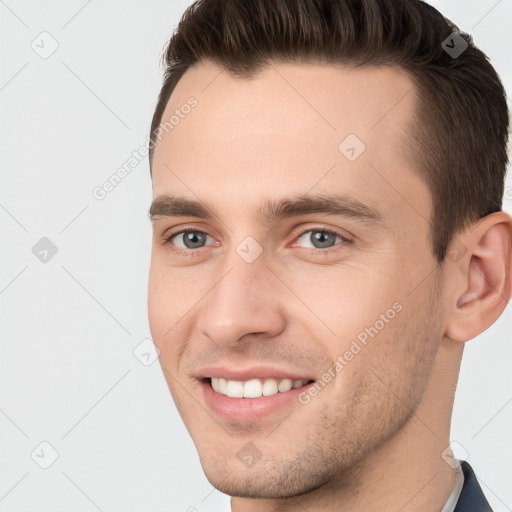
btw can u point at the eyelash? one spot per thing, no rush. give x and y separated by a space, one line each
311 251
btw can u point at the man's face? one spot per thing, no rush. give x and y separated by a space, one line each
309 294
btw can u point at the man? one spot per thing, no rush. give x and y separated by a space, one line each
328 180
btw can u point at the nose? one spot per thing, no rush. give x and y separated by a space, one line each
242 304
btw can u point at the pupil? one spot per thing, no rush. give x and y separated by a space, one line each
321 239
194 239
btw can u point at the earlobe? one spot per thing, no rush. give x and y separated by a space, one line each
481 296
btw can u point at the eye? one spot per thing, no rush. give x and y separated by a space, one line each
320 238
187 240
316 240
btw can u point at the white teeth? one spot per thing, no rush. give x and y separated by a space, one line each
235 388
285 385
270 387
254 388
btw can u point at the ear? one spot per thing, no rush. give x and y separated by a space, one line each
480 278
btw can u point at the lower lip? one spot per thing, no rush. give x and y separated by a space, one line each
249 409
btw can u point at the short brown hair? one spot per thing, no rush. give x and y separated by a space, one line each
460 127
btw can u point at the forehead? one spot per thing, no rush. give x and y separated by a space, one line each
290 129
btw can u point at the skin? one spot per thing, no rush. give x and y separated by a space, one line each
372 439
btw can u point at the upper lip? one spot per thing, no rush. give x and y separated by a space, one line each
253 372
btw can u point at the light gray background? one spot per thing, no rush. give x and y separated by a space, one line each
68 374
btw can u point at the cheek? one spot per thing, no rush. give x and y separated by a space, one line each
347 302
165 309
374 327
170 296
158 303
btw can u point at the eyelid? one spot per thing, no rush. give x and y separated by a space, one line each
169 235
334 231
337 247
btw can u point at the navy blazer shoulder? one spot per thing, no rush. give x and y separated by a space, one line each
471 497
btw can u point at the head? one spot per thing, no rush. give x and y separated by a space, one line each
327 185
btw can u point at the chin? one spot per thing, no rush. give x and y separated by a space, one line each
266 479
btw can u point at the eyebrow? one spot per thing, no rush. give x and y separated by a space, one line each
271 209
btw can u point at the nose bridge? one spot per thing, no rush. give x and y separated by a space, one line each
241 301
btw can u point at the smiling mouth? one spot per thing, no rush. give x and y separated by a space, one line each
254 388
